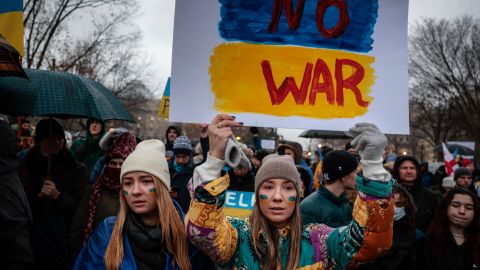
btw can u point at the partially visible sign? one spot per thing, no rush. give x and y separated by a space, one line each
164 109
11 23
238 203
268 144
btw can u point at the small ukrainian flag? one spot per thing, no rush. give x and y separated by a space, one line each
11 22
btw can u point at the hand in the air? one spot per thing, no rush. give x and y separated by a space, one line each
369 141
219 130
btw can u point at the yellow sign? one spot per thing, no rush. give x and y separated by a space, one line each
323 83
164 109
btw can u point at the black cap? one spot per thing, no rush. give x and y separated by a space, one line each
337 164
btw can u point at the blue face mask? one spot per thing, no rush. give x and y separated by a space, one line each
178 168
399 213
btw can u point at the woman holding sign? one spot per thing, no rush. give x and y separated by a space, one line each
148 232
274 237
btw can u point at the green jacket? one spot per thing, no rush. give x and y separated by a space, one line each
325 207
87 151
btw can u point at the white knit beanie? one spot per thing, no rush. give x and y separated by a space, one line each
149 157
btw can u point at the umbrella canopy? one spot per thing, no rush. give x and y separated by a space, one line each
462 150
10 64
325 134
59 94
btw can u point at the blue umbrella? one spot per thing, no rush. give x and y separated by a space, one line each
59 94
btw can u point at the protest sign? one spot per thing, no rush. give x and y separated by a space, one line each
164 108
238 203
324 64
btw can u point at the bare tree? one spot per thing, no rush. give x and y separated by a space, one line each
107 52
46 24
445 77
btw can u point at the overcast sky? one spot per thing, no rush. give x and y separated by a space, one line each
156 23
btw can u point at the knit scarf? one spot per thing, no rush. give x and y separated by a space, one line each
110 178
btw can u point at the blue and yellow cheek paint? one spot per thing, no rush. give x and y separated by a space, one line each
152 191
292 200
263 198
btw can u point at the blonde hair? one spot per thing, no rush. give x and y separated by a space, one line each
270 256
174 238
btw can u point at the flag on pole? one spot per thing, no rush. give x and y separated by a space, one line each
11 23
450 163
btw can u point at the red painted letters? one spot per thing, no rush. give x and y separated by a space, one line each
294 17
278 95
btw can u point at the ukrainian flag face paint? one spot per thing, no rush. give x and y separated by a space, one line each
277 200
140 192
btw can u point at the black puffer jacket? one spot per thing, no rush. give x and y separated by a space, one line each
14 209
425 199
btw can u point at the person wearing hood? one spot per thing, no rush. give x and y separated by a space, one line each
170 136
101 200
305 177
87 150
406 171
339 175
295 150
54 183
15 214
181 171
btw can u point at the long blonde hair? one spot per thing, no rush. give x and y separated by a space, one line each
174 238
270 256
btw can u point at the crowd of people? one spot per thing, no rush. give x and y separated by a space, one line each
113 201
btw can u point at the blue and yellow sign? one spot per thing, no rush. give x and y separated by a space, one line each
238 203
337 81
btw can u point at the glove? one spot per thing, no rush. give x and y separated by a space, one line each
234 155
369 141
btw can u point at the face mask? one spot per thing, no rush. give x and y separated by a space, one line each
113 173
399 213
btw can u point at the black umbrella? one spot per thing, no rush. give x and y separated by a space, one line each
325 134
462 150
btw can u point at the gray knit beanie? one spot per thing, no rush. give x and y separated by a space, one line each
278 167
182 145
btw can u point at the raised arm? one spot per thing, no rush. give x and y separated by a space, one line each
370 233
205 222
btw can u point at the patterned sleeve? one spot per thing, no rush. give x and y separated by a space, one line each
206 225
370 233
